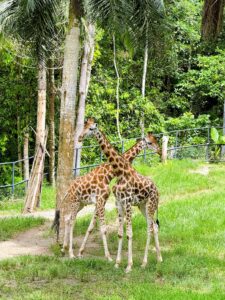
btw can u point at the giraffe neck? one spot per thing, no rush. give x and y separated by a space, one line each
130 154
117 161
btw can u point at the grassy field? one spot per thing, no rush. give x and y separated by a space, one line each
192 238
15 206
11 226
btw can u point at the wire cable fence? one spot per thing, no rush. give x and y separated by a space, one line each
194 143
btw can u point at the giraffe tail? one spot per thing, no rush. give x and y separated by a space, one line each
56 222
157 217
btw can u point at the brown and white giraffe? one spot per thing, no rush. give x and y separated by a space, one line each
94 188
106 170
131 189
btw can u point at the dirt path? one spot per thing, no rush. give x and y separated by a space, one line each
37 241
50 214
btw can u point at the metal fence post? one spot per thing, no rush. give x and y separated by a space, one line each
76 157
100 156
144 154
208 141
122 146
176 143
13 177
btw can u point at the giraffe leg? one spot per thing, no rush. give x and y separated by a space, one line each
156 237
101 214
88 232
129 235
71 255
120 233
71 227
66 234
149 220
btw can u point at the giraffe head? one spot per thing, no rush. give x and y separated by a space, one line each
151 143
90 127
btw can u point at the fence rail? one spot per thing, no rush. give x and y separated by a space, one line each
176 147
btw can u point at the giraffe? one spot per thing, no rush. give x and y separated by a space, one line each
147 142
131 189
94 188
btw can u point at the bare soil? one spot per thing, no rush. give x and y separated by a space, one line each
37 241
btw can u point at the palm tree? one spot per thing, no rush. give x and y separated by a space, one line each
35 25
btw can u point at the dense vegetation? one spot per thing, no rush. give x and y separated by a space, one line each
184 88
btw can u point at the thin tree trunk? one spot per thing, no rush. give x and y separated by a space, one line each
35 183
83 90
38 167
117 89
51 140
144 70
19 146
67 111
26 157
41 107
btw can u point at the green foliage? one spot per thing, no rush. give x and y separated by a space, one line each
218 139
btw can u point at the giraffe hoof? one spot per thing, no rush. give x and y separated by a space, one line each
143 265
109 258
128 269
71 256
159 259
117 266
63 252
80 256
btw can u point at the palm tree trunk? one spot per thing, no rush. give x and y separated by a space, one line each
67 111
52 94
38 167
83 90
41 107
117 89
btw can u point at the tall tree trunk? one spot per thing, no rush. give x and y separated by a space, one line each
41 107
117 89
51 140
85 75
144 69
26 157
38 168
67 110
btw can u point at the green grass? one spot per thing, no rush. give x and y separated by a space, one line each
15 206
11 226
192 235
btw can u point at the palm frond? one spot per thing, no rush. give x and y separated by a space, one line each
34 22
